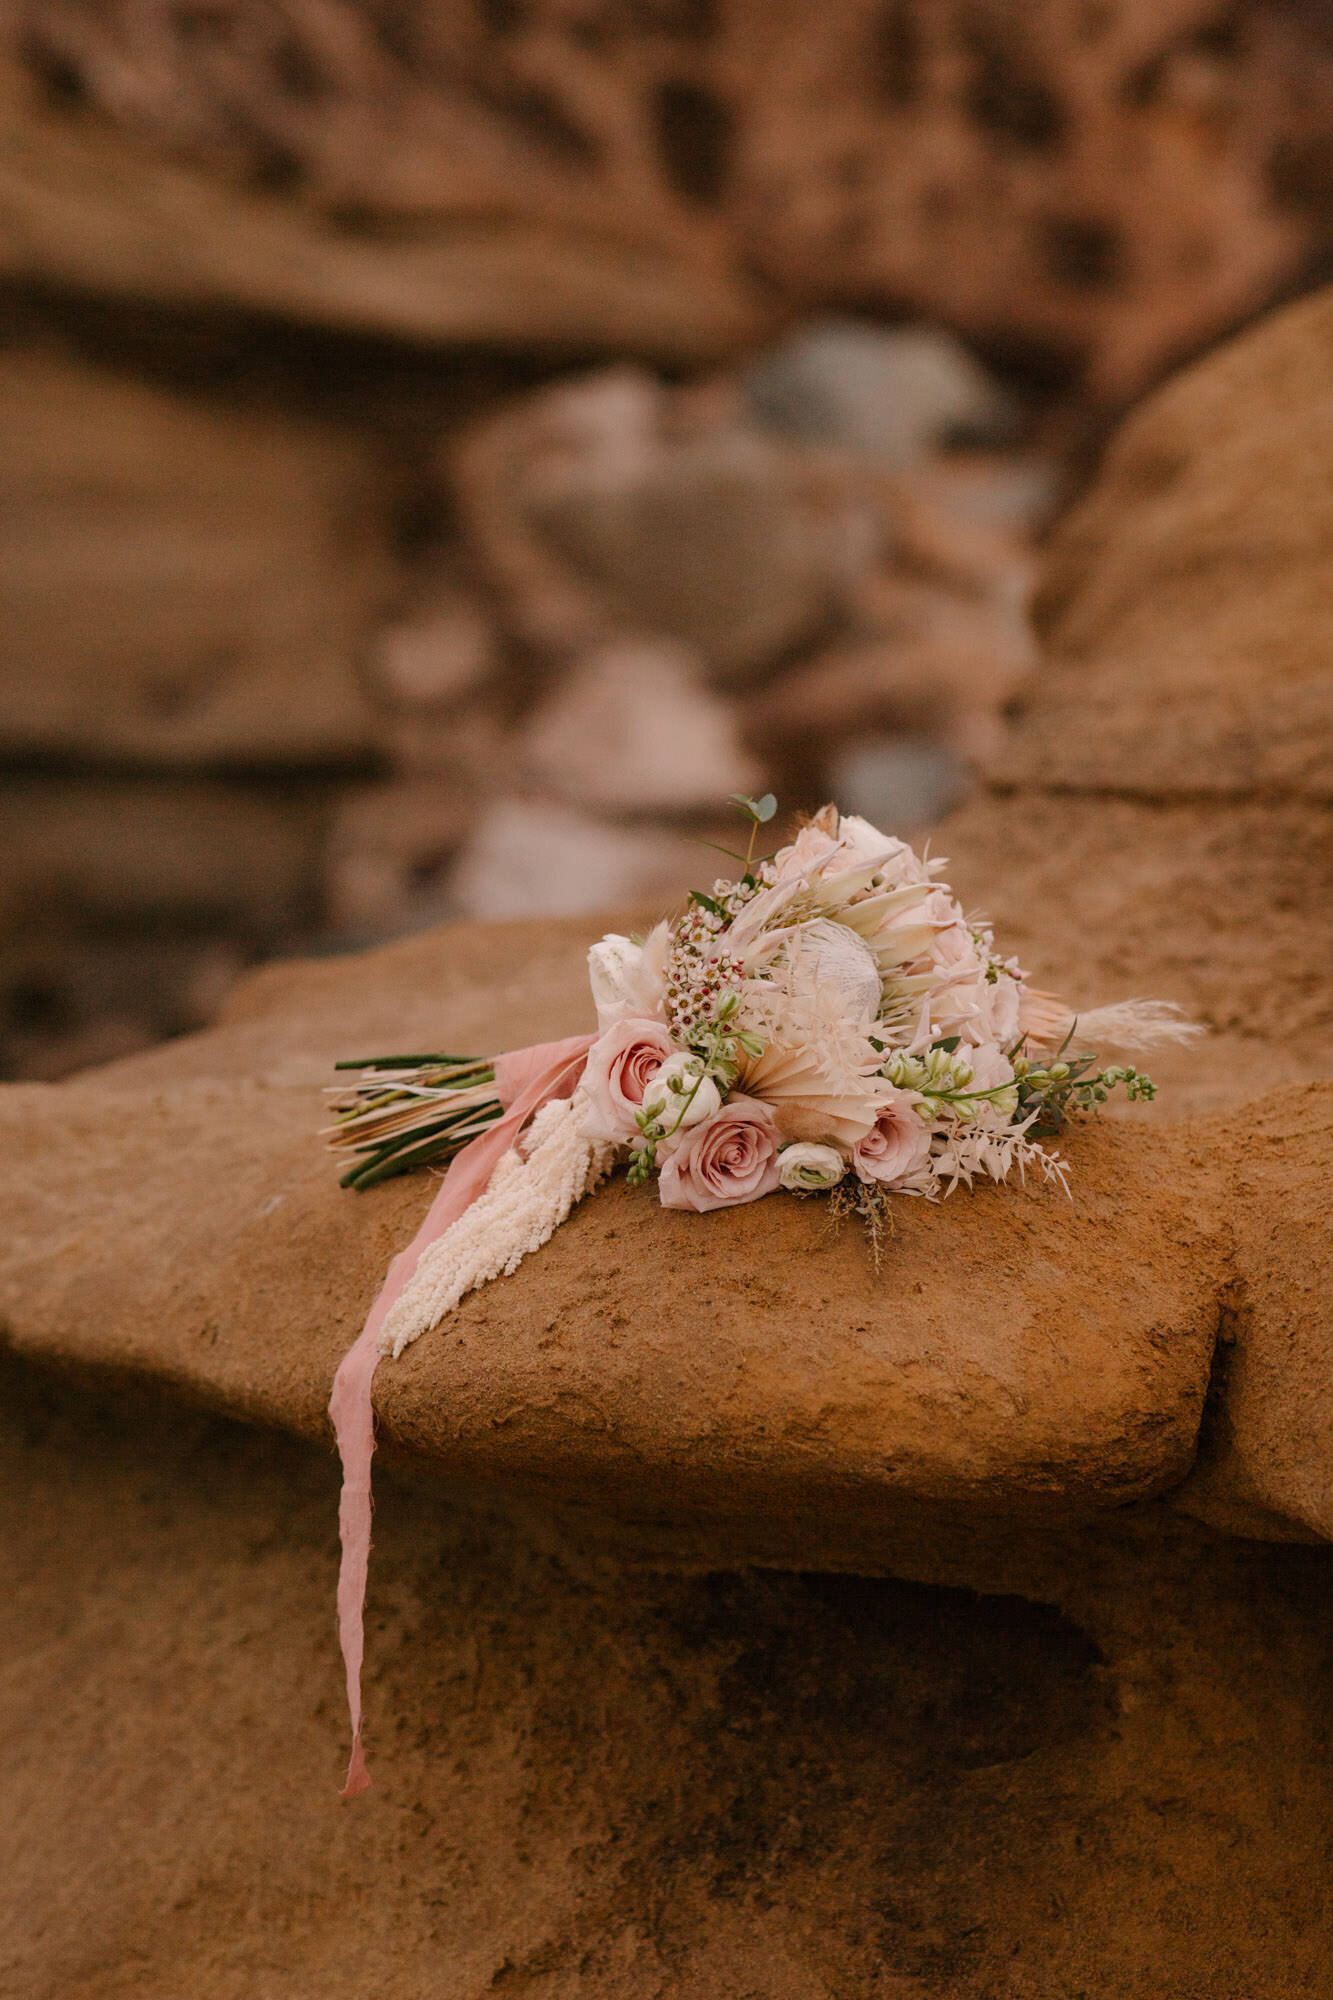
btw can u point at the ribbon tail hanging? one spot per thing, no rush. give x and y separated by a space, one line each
525 1079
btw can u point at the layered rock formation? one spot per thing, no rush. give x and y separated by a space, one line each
187 593
1100 187
1077 1743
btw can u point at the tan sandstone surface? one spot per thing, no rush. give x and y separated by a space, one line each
1075 1743
751 1368
1108 1774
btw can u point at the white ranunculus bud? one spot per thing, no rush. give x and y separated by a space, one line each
808 1166
680 1095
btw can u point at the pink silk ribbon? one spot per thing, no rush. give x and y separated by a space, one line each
525 1079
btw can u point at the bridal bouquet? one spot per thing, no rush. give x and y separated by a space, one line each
826 1020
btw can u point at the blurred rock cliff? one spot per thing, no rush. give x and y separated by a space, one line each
448 449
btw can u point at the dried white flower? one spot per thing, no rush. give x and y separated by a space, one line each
1131 1024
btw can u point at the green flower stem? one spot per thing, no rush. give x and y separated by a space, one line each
383 1165
408 1062
414 1133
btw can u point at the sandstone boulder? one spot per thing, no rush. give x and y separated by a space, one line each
388 855
1089 1763
744 1383
1036 1322
482 255
613 505
128 906
1187 604
129 851
1214 907
1162 821
1266 1465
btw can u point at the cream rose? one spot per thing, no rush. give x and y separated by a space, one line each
897 1144
806 1166
621 1064
731 1159
680 1095
955 952
807 854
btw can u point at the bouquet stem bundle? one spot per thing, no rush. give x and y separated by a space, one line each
409 1111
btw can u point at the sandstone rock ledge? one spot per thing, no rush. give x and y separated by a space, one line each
743 1385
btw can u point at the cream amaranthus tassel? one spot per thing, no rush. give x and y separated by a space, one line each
530 1194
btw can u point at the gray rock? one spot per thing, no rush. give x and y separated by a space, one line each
902 781
892 393
439 653
612 505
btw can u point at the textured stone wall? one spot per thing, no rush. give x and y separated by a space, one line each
1097 185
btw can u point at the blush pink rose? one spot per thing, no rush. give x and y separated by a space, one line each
897 1144
621 1065
731 1159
